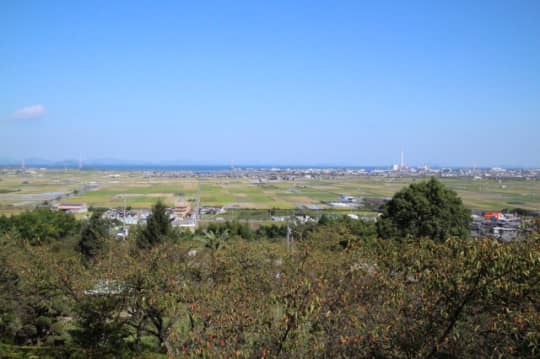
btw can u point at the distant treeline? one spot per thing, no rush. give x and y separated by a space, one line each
522 212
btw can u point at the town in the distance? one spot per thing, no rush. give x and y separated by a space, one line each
500 199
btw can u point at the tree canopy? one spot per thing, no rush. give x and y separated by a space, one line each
158 226
337 290
425 209
40 225
94 235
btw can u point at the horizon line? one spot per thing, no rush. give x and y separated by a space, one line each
75 163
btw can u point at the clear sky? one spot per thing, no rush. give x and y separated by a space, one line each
272 82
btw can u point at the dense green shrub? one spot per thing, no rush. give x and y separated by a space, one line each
40 225
425 209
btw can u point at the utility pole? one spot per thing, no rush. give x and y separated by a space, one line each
288 240
198 203
289 235
124 219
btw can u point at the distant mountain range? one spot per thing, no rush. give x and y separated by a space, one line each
71 162
109 162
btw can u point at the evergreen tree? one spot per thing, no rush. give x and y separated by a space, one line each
158 226
93 236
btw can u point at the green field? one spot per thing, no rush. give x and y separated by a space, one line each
111 189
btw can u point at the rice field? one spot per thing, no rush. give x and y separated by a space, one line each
113 189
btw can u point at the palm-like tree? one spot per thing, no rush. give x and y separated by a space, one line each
214 241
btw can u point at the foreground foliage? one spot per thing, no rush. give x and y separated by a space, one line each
338 292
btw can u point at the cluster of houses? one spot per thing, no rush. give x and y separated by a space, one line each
504 227
127 217
211 210
181 214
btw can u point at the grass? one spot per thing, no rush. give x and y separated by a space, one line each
18 192
8 190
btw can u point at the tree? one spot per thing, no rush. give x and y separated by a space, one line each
93 236
40 225
325 219
214 241
426 209
29 313
101 330
157 227
373 298
157 283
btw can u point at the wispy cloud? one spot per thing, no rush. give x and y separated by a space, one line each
34 111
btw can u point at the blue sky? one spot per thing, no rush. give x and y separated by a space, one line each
275 82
